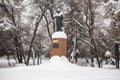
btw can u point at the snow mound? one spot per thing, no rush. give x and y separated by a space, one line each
108 66
58 59
59 34
19 65
64 59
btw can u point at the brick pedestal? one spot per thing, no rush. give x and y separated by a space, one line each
59 44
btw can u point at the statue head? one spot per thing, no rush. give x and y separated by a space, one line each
58 10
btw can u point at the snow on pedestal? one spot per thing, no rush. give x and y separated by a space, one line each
59 44
59 34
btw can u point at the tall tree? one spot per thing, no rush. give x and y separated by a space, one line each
11 12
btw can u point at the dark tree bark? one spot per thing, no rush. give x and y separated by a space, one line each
51 9
117 55
46 22
38 58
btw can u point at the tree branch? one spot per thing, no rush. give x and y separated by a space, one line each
81 25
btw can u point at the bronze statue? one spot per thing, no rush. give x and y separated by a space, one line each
59 20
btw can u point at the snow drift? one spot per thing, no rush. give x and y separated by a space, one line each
58 68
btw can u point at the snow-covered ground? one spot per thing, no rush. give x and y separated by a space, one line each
4 63
58 68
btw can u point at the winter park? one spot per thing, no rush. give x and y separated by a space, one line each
59 39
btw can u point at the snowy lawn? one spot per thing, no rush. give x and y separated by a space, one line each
58 68
4 63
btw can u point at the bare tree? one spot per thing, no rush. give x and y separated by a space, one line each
10 13
83 17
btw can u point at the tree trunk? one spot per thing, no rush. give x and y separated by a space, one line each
117 55
38 58
91 32
98 61
34 34
52 15
18 48
33 52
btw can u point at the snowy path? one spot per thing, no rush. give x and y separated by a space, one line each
58 69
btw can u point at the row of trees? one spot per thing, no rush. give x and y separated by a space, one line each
89 29
24 24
